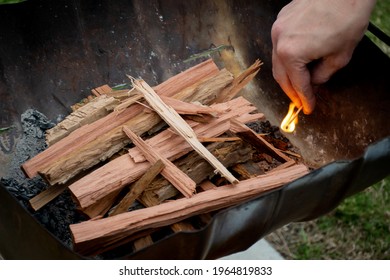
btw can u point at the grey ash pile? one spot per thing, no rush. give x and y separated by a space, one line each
58 214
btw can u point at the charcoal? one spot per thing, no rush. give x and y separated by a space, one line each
56 215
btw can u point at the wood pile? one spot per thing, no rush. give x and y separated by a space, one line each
117 150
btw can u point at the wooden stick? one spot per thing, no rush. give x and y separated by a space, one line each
180 126
173 174
240 82
249 135
91 235
41 199
138 187
104 89
96 109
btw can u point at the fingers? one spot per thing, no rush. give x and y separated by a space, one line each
280 75
294 79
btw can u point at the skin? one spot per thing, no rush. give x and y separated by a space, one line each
314 39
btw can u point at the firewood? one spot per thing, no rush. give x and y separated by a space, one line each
218 139
175 176
240 82
247 170
143 242
90 235
138 187
283 166
207 185
41 199
182 226
94 110
228 153
109 143
186 108
92 190
102 90
180 126
246 134
93 143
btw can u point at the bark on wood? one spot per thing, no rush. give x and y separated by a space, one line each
91 191
175 176
138 188
177 123
91 141
90 235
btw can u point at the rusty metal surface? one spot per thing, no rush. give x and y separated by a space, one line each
52 53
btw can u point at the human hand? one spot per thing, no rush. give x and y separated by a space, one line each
314 39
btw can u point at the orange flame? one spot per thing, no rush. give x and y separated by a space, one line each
291 119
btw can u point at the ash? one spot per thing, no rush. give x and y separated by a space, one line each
57 215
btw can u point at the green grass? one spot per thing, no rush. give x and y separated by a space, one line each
359 228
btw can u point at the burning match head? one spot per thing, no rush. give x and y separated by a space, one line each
291 119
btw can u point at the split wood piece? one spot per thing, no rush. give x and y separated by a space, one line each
94 110
176 122
120 94
187 108
240 82
287 152
138 188
104 89
132 99
207 185
90 235
247 170
41 199
173 174
247 134
182 226
127 241
218 139
87 145
221 139
143 242
228 153
282 166
99 91
92 191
